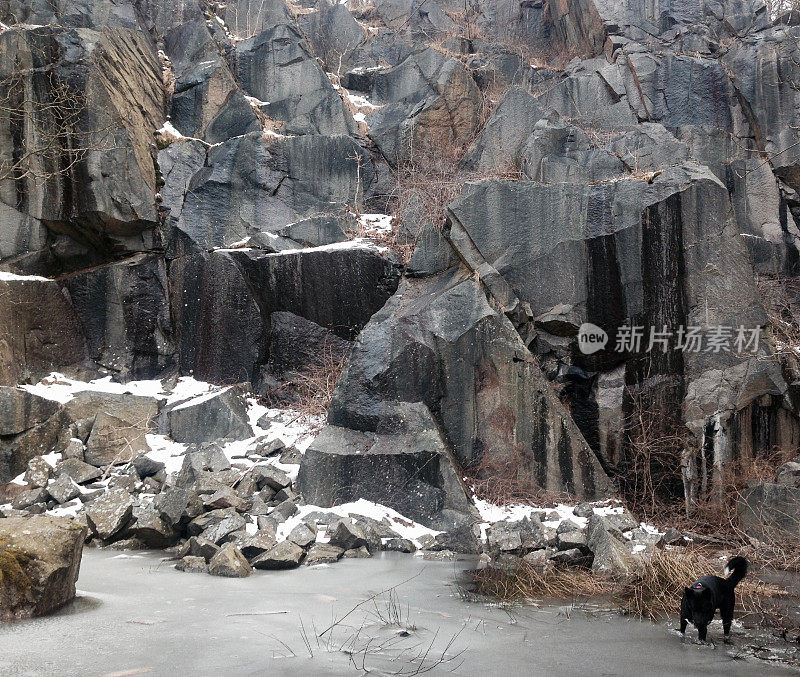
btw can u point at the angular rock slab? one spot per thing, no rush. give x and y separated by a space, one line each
219 415
39 331
40 558
439 341
411 473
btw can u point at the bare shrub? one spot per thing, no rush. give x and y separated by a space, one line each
310 391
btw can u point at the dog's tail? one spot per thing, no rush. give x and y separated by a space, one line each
736 569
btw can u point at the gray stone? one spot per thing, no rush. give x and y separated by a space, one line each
258 543
21 410
611 554
63 489
176 505
114 440
229 562
191 564
29 497
222 415
303 535
147 467
38 472
770 511
270 476
285 555
573 557
108 514
225 497
150 529
323 553
41 559
200 547
357 553
789 474
583 510
346 534
399 545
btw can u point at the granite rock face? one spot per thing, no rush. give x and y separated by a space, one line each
186 190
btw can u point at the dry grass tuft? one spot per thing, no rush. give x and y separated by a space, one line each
653 593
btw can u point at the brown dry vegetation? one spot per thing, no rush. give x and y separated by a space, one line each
653 593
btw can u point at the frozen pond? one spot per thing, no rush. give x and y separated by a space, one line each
137 615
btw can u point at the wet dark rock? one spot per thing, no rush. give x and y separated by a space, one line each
29 497
147 467
149 529
176 505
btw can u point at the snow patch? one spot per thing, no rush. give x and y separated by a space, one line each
13 277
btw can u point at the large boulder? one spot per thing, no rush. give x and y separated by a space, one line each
405 466
110 513
114 440
218 415
17 450
611 554
496 410
770 512
40 558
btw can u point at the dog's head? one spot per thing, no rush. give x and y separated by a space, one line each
700 603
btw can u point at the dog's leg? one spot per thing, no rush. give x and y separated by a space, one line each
701 632
727 618
683 626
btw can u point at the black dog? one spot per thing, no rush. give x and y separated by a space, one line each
706 595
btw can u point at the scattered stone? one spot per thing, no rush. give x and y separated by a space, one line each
611 554
79 471
303 535
323 553
176 505
149 529
258 543
40 558
108 514
28 498
623 521
570 539
291 456
270 476
671 537
583 510
200 547
63 489
269 448
38 473
230 562
573 557
439 555
147 467
192 565
399 545
285 555
346 534
217 524
462 540
357 553
283 511
74 449
225 497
